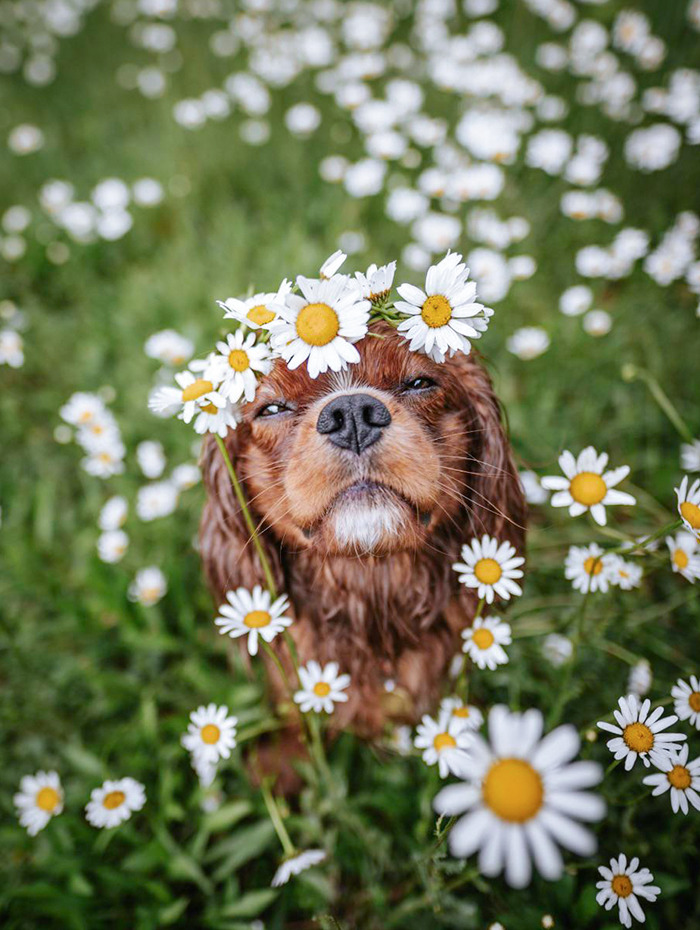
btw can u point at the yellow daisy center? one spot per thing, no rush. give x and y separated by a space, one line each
322 689
238 360
680 559
436 311
85 416
460 712
210 408
210 734
260 315
638 737
483 638
513 790
593 565
257 618
47 799
488 571
317 324
694 701
622 886
691 513
588 489
105 457
444 741
679 777
197 389
113 799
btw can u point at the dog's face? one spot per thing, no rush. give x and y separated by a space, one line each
377 458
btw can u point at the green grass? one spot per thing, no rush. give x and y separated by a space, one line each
95 686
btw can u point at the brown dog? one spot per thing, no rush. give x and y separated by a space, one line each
365 484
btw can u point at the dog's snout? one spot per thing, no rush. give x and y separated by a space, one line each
353 421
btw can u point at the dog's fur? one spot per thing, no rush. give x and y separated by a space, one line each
364 544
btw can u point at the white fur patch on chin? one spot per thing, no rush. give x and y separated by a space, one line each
363 526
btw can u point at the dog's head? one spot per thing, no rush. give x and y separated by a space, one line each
396 453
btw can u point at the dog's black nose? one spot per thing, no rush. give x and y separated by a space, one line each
353 421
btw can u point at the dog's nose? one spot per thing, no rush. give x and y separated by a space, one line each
353 421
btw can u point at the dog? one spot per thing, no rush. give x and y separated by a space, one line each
364 485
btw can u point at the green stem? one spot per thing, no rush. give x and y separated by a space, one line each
265 726
276 659
319 752
625 547
663 400
249 522
560 702
277 821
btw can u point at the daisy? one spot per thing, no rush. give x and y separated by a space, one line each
484 642
639 734
321 688
82 408
234 367
189 397
588 568
444 316
522 798
621 885
211 734
685 555
444 741
586 485
490 568
114 802
689 505
624 575
40 797
332 264
148 586
295 864
217 420
320 326
253 614
471 717
680 776
375 284
258 311
687 700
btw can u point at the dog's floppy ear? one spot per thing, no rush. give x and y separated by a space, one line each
228 553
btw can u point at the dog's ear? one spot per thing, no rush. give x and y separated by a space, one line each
228 554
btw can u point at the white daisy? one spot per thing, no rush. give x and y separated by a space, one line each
258 311
112 545
321 687
211 734
679 776
297 863
191 395
320 326
114 802
685 555
217 420
470 716
639 734
445 741
253 614
375 284
522 798
621 885
491 568
40 797
445 316
332 264
235 364
586 485
624 575
588 568
82 408
689 504
484 642
690 455
148 587
686 699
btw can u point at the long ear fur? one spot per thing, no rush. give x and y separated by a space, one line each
228 553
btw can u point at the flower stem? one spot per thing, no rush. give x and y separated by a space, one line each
249 522
277 821
662 399
278 662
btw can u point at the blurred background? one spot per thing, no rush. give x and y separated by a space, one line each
158 155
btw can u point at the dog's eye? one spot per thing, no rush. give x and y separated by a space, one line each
271 410
418 384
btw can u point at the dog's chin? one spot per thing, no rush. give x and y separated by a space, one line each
369 519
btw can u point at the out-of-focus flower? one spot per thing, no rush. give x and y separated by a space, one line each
148 587
444 741
321 687
686 697
211 734
40 797
114 802
295 864
484 641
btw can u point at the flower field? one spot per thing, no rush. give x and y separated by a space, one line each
195 191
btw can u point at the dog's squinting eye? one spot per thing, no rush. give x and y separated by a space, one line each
272 410
418 384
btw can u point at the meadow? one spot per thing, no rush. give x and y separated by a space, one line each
97 682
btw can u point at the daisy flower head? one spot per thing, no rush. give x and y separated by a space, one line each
295 864
445 741
320 325
686 698
638 733
375 284
623 885
217 420
586 485
211 734
191 395
684 550
258 311
689 505
490 567
680 777
236 365
148 587
624 575
442 318
40 797
588 568
253 614
114 802
522 798
484 641
321 687
470 717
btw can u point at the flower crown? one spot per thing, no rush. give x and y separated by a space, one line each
317 322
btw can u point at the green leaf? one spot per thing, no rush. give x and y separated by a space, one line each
251 904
